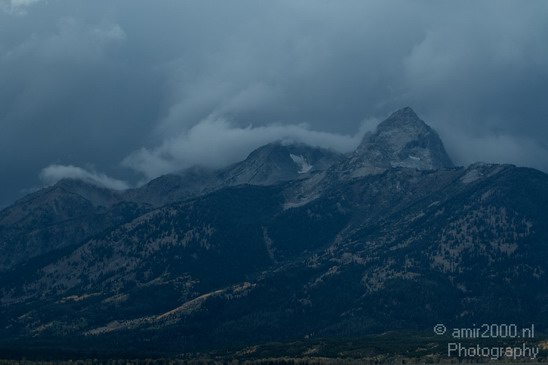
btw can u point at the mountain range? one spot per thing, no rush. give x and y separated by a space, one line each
293 243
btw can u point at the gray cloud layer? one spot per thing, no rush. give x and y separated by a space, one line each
137 88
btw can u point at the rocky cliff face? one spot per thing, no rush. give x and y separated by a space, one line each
402 140
293 242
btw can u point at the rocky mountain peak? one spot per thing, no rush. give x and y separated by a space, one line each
401 118
401 140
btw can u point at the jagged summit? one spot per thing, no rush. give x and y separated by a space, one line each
402 117
401 140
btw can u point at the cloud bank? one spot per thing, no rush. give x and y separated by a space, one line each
215 143
53 173
131 86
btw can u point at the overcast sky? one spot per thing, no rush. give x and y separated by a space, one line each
123 91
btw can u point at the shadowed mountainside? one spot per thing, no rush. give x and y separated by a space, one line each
294 242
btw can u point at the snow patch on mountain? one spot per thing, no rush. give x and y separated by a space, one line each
302 163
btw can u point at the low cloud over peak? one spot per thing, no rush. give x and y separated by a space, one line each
53 173
215 143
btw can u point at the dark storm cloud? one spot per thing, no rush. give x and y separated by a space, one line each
134 89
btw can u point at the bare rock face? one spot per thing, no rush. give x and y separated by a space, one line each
401 140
